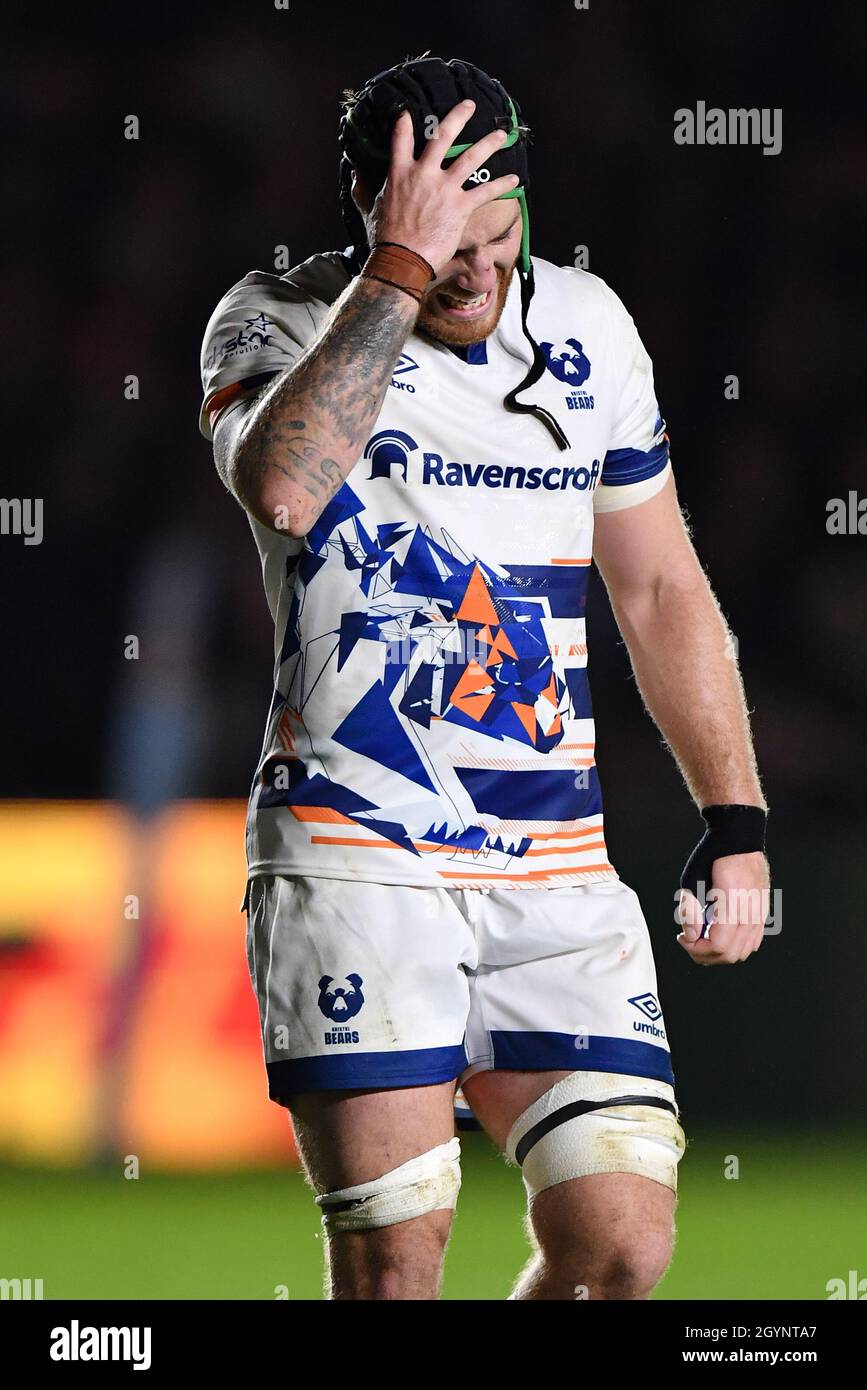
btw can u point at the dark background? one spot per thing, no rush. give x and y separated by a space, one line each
730 261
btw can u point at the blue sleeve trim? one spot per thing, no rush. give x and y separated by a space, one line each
623 466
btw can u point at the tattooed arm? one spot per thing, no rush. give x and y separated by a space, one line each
286 457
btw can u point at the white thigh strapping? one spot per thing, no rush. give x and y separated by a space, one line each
598 1122
430 1182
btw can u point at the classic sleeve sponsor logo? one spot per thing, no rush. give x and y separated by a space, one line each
251 338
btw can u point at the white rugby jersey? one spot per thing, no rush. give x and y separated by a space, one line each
431 720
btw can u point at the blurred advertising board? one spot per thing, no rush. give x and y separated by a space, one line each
127 1022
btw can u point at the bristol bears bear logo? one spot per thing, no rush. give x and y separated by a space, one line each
340 1000
572 368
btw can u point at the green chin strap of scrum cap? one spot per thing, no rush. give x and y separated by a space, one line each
519 192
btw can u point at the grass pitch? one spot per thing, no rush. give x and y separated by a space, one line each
794 1218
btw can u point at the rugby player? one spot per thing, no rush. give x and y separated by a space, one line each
433 432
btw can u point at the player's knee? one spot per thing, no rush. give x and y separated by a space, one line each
629 1269
401 1283
387 1236
403 1261
632 1266
624 1265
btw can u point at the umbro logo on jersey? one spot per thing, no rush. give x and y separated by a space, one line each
391 455
404 364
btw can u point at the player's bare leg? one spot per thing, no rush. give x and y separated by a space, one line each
605 1236
609 1236
350 1137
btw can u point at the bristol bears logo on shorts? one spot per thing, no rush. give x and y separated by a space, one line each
340 1000
572 368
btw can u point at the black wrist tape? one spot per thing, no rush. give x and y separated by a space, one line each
730 830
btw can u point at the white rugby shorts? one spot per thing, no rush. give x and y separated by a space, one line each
374 986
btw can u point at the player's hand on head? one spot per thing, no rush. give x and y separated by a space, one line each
425 207
739 897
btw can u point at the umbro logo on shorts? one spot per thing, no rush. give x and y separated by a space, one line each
648 1005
